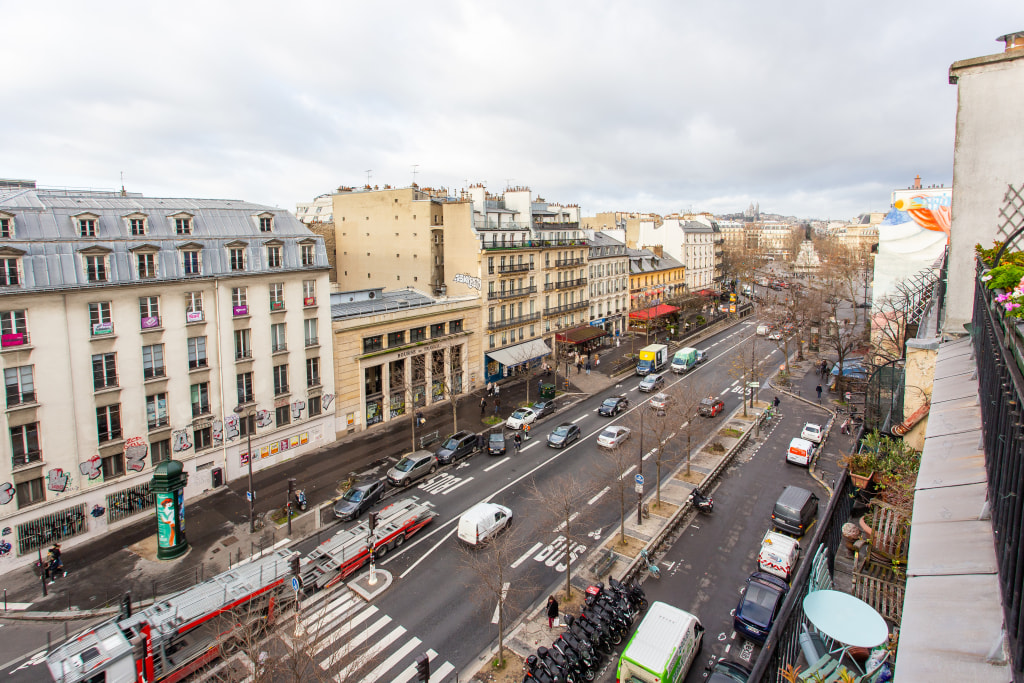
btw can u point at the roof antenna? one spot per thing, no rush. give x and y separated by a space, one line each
123 193
414 172
368 172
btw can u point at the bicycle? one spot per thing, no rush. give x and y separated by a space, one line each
651 567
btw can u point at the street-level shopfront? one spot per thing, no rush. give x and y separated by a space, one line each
512 360
395 384
581 340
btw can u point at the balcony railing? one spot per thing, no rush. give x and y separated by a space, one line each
565 284
21 459
280 346
568 262
514 268
511 293
19 398
513 322
565 308
488 245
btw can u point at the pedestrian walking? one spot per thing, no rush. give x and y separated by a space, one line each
483 405
489 389
597 360
540 387
776 402
480 442
818 389
526 432
497 389
588 367
517 441
497 404
579 366
552 611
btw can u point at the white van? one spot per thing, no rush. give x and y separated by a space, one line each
800 452
763 330
778 554
663 647
483 521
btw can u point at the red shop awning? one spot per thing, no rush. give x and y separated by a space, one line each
653 312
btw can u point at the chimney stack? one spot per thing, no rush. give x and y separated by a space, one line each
917 182
1014 41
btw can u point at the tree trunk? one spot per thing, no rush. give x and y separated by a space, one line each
568 557
622 513
657 483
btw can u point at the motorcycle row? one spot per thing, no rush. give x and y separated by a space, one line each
580 650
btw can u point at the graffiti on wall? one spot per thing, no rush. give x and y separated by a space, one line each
90 468
217 432
182 440
57 479
468 280
264 418
231 427
135 450
6 493
327 400
297 408
97 511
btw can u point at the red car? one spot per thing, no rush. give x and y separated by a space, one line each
710 406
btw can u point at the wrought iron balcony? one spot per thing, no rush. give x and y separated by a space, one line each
513 322
514 268
511 293
565 308
488 245
565 284
569 262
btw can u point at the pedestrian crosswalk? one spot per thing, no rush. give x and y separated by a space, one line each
354 641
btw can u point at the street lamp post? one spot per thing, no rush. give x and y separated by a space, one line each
251 493
640 470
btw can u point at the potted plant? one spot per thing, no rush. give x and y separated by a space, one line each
862 466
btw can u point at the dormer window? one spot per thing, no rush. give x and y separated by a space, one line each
136 224
266 222
9 272
182 223
96 268
274 256
87 224
236 257
146 264
6 224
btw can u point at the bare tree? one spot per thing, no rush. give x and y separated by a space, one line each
564 503
745 366
687 411
615 466
492 585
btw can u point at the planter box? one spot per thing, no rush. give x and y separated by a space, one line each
861 481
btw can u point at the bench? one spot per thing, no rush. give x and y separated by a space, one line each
879 578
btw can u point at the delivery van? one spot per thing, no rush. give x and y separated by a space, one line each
763 330
652 358
483 521
684 360
778 555
663 647
800 452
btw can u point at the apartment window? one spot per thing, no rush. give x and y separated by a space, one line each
112 466
149 311
25 444
153 361
160 451
455 326
243 345
9 271
278 341
190 263
244 382
203 438
396 339
309 292
313 372
274 257
436 330
238 297
309 331
276 296
200 399
146 265
490 265
108 422
193 307
236 258
5 227
418 334
183 225
19 385
266 223
308 255
156 411
86 227
137 226
374 343
280 379
31 492
283 415
13 322
104 371
314 406
246 425
490 341
196 352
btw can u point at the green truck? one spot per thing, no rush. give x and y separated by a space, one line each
663 647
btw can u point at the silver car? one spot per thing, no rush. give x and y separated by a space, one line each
411 467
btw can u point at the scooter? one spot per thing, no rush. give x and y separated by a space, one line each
300 500
632 592
701 502
534 671
652 568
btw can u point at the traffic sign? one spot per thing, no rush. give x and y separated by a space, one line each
639 488
248 495
639 479
753 385
295 583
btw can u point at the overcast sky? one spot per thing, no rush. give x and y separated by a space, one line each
814 109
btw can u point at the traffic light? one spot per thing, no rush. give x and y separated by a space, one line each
373 520
295 564
423 669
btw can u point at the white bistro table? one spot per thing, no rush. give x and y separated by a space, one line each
849 621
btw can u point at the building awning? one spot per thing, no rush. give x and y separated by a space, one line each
580 334
520 353
706 292
658 311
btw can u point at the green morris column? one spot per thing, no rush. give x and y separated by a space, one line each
168 486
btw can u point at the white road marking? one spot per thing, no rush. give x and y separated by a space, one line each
371 652
388 663
578 419
734 383
563 524
726 391
526 555
500 462
768 356
436 546
442 672
504 592
345 628
598 496
407 675
529 445
464 481
630 469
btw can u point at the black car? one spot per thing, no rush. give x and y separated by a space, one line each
725 671
496 444
613 406
457 446
759 605
359 499
563 435
543 408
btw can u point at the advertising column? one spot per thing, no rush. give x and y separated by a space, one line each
168 486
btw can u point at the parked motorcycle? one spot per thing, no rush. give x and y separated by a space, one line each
701 502
300 499
573 648
598 636
534 672
632 592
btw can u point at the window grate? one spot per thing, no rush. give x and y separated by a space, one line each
130 501
52 528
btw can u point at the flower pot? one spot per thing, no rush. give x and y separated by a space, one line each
867 530
861 480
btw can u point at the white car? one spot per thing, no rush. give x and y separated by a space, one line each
613 436
812 432
775 335
660 403
520 418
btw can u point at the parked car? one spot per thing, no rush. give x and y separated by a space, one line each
482 522
412 467
542 408
725 671
775 335
520 418
563 435
710 406
759 605
457 446
661 402
496 444
812 432
613 406
652 382
358 499
702 355
613 436
795 510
